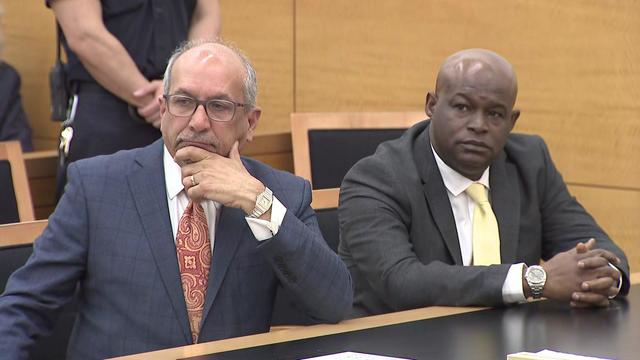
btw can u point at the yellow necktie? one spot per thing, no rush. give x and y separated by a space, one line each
486 237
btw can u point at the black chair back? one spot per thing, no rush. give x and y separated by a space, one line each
53 346
8 202
334 151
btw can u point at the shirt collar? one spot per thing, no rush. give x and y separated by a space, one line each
455 182
172 174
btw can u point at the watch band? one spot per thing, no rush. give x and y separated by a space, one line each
263 203
536 278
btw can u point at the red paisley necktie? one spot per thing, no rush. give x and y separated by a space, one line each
194 257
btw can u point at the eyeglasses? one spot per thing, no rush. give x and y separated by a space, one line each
216 109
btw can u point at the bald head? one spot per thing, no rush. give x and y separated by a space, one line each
478 66
472 110
216 51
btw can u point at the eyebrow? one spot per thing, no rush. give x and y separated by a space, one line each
184 92
492 104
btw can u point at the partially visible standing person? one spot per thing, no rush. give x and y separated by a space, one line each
14 124
117 51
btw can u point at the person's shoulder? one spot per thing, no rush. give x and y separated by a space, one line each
116 163
393 154
9 75
267 173
524 143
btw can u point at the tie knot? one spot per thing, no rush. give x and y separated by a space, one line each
477 192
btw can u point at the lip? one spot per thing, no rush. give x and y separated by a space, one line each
475 144
204 146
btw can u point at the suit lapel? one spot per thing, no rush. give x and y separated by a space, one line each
505 201
147 184
436 194
231 229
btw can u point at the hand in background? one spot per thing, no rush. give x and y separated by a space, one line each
148 96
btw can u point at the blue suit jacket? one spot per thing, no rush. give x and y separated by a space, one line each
111 235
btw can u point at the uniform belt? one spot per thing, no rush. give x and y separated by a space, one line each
88 87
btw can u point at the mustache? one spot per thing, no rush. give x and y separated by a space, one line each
194 138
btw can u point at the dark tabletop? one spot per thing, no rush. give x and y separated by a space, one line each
488 334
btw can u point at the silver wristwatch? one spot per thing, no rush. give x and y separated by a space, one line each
536 278
263 203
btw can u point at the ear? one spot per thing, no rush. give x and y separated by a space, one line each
515 114
252 118
163 110
163 105
430 103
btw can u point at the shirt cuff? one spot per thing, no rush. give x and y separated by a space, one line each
263 229
619 281
512 291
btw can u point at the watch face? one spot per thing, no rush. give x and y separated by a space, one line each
536 274
264 201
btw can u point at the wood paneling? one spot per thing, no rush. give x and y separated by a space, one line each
264 31
618 213
29 37
11 151
21 233
41 171
576 62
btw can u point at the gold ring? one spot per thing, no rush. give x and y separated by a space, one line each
193 181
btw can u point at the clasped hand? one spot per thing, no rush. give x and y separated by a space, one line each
583 276
218 178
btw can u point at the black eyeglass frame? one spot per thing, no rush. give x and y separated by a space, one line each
168 97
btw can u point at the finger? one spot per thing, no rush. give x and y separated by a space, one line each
581 248
605 254
153 119
591 243
601 285
592 263
594 299
152 108
188 181
196 193
582 305
611 257
149 88
192 154
234 153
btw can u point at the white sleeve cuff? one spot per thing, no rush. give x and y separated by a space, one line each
619 282
512 291
263 229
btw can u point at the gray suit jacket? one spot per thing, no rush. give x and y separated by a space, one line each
399 238
111 235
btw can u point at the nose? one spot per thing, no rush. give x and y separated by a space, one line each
199 120
477 122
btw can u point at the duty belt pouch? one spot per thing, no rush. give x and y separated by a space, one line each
59 85
66 136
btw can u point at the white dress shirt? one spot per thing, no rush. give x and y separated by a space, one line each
177 200
463 207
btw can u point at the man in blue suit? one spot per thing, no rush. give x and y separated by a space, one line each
115 232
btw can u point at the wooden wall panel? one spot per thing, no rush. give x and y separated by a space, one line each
264 30
29 36
577 63
618 212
